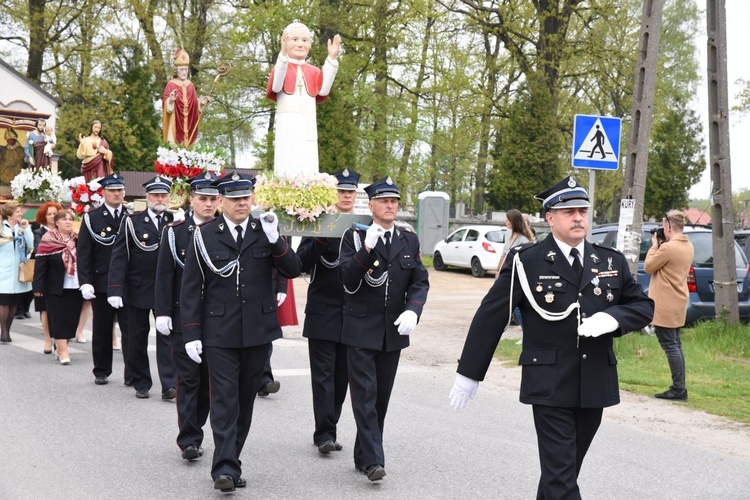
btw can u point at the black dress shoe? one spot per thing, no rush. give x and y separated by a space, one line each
326 447
360 468
673 395
270 388
27 314
192 452
337 447
225 483
101 380
128 382
241 482
6 339
19 316
170 393
375 472
142 394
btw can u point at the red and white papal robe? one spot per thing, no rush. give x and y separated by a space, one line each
297 87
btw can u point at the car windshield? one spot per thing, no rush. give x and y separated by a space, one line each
495 236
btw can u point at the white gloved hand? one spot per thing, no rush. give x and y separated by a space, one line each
194 349
164 325
87 291
178 215
372 235
598 324
406 322
280 298
463 390
270 224
115 301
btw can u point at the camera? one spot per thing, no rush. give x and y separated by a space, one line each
659 231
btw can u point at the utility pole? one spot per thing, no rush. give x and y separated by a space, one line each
636 166
722 213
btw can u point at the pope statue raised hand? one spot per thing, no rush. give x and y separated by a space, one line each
297 87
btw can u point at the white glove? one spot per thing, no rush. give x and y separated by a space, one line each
87 291
406 322
270 224
178 215
598 324
115 301
280 298
164 324
463 390
372 235
194 349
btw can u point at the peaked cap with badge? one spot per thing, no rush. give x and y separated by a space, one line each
384 188
567 193
235 185
204 184
112 181
347 179
158 185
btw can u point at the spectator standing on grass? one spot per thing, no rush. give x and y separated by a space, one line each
669 262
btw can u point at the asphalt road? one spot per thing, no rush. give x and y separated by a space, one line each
62 437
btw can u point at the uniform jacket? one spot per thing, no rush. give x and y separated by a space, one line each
369 311
94 255
559 368
49 274
319 257
10 259
669 263
169 269
132 270
232 311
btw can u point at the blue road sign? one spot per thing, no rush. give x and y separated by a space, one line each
596 142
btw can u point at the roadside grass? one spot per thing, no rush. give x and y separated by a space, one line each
717 360
427 261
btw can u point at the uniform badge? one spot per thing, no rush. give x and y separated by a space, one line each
103 233
594 257
376 263
551 255
221 226
571 182
610 296
235 176
549 297
609 263
345 173
108 229
145 236
182 253
145 219
252 225
539 288
389 181
594 270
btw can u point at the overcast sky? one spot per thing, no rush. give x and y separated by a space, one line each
738 66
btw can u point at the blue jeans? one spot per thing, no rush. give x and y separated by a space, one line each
669 339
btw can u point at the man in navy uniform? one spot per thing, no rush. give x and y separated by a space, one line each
386 288
319 257
132 275
574 298
94 248
228 313
193 400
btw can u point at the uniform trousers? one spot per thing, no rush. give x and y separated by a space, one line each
563 436
139 329
371 377
101 335
193 396
235 377
267 377
328 373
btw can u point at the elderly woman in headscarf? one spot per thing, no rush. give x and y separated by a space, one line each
56 279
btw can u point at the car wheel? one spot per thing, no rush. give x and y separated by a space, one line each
476 268
437 262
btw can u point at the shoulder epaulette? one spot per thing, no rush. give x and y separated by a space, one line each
403 227
525 246
606 247
207 221
176 223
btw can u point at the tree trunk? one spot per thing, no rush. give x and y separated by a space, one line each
37 40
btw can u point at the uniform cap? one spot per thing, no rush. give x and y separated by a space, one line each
348 179
158 185
384 188
235 185
567 193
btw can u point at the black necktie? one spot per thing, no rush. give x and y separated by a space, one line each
117 213
387 236
158 222
577 267
239 236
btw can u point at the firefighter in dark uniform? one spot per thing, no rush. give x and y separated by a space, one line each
319 257
132 274
574 298
96 239
193 400
228 312
386 288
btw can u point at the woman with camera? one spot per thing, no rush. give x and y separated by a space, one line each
668 261
16 243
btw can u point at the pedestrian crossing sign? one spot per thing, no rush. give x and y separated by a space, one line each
596 142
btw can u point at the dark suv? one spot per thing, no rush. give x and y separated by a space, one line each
700 279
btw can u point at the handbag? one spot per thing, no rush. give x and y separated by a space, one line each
26 271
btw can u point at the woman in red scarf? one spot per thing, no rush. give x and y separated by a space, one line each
56 279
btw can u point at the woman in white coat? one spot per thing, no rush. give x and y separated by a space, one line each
16 243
